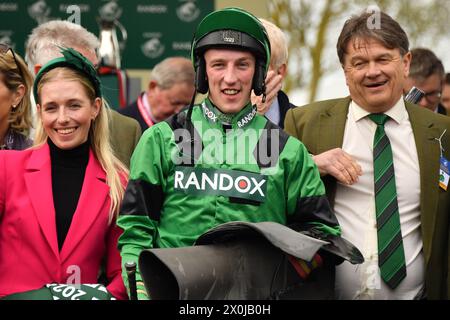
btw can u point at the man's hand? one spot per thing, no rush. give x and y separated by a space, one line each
339 164
273 85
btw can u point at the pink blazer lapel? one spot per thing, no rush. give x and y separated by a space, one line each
94 195
39 187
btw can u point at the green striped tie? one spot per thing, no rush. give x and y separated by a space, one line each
391 255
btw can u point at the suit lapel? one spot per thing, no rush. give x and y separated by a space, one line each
425 133
332 120
39 187
94 194
284 104
330 135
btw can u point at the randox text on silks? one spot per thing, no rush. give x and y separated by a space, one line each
228 183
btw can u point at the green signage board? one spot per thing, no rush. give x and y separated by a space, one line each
155 29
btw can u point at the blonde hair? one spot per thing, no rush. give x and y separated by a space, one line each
19 117
98 136
278 44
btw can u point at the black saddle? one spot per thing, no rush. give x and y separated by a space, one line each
242 260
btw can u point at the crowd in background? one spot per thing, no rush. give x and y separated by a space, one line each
84 185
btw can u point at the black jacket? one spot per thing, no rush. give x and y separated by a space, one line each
285 105
132 111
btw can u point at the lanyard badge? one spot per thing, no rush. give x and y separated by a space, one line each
444 174
444 170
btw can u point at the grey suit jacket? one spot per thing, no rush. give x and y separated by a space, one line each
320 126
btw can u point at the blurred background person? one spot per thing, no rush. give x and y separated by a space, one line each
43 45
62 195
277 102
426 73
15 104
170 88
445 99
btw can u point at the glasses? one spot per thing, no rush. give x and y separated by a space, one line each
432 96
4 49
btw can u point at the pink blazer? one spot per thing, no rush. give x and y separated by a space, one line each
29 254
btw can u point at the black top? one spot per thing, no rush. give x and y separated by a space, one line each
441 109
68 169
285 105
132 111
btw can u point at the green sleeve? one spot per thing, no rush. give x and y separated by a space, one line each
142 203
308 205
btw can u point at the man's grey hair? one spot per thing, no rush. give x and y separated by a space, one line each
278 44
171 71
42 44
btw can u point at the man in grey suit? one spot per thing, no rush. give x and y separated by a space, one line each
42 46
340 135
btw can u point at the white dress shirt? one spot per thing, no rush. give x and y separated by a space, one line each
355 208
273 114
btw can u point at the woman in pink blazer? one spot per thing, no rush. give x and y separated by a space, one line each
59 199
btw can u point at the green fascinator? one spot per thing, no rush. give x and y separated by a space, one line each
74 60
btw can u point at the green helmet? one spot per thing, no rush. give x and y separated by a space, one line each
231 28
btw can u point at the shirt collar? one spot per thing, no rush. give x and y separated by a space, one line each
237 120
273 114
147 106
397 112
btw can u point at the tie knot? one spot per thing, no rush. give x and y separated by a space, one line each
379 118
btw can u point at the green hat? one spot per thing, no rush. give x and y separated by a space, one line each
231 28
74 60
